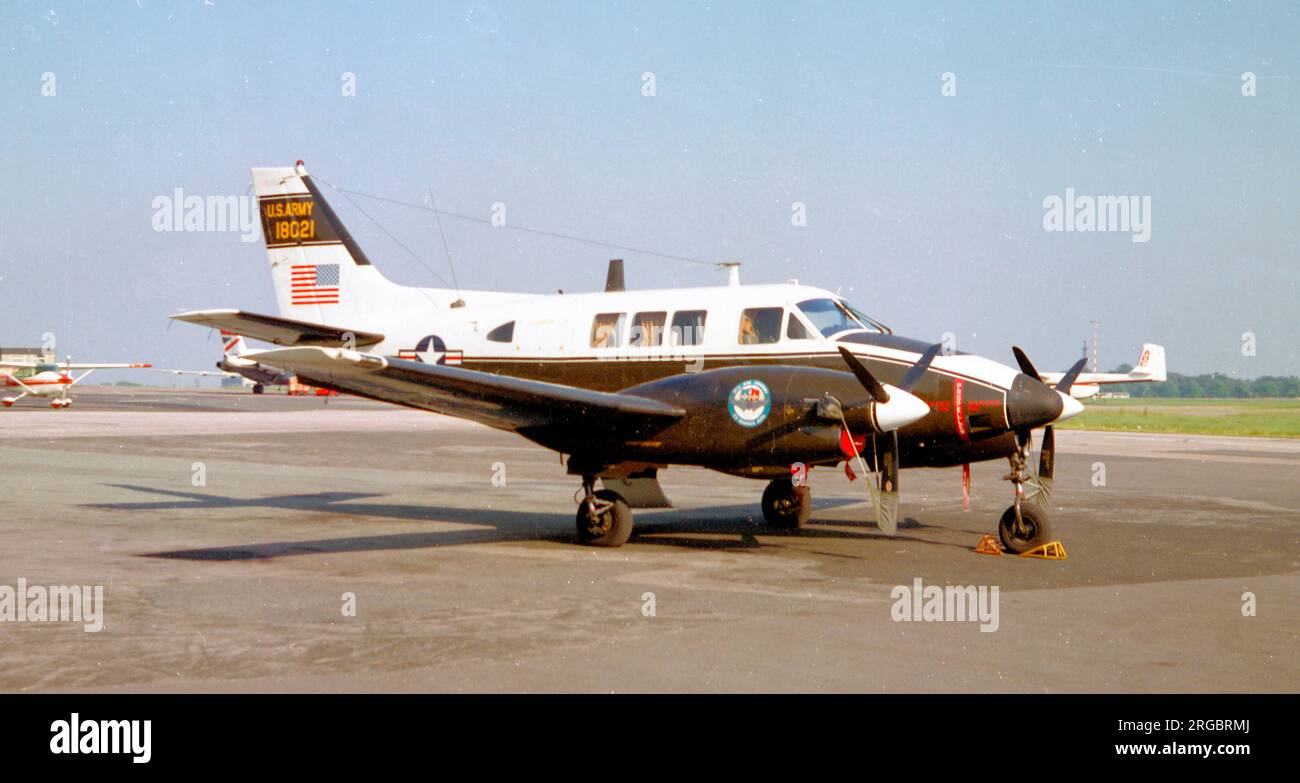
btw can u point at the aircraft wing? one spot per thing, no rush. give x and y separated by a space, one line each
498 401
278 331
203 373
78 365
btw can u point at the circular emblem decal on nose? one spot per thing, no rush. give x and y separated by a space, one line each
749 403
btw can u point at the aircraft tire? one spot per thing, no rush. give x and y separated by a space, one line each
614 525
258 388
1040 530
785 506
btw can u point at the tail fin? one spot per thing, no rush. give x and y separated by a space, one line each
232 344
1151 364
321 274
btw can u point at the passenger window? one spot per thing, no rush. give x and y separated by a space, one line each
647 329
505 333
759 325
795 330
607 330
688 327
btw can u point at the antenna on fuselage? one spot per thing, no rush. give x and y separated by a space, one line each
437 219
733 273
614 277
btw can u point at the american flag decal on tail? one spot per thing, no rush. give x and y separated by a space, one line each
314 284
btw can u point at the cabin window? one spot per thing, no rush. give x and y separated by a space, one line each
795 330
505 333
607 330
759 325
647 329
688 327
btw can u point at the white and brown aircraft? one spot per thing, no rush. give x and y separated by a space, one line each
753 380
48 379
233 364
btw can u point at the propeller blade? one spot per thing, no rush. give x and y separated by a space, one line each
864 376
887 495
1040 486
1072 375
1026 366
916 371
1047 458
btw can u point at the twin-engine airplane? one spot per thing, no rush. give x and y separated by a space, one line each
47 379
746 380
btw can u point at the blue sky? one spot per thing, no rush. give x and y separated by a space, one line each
925 210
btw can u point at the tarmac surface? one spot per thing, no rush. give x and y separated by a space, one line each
228 531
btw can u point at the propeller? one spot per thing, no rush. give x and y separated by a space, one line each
884 491
917 371
886 494
1026 366
1041 483
864 376
1071 375
887 411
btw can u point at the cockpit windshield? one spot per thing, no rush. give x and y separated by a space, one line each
832 316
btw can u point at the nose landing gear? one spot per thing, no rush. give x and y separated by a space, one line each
1023 526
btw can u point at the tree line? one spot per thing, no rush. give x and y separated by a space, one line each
1213 385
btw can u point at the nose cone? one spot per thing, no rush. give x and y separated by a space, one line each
902 409
1070 407
1032 403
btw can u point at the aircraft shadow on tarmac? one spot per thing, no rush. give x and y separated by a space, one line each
734 527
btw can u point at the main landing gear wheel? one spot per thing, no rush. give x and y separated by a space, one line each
785 505
258 388
604 518
1033 531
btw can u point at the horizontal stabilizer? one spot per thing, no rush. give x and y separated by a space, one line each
280 331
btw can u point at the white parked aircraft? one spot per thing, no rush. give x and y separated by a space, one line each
1150 369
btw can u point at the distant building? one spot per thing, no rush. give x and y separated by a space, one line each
24 355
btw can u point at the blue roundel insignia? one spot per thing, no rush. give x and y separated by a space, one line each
749 403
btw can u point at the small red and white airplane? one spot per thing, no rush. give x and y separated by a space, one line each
48 379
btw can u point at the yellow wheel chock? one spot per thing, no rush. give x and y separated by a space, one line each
1052 550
